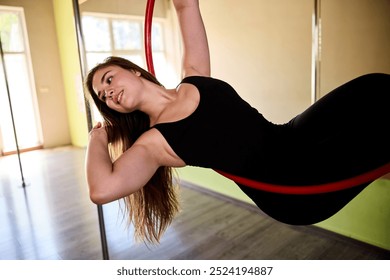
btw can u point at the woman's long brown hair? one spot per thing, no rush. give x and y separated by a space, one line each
153 207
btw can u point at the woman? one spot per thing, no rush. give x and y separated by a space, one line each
203 122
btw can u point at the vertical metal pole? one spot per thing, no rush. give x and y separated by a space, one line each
11 110
316 51
80 42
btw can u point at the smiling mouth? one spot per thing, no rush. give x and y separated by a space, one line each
118 100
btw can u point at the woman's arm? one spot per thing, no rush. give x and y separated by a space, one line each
196 56
108 181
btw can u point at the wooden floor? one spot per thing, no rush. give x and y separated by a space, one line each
52 218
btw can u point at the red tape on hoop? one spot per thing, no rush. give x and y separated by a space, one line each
283 189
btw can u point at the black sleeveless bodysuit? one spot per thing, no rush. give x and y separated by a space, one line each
341 136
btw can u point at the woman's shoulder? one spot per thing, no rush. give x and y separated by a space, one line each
199 80
207 83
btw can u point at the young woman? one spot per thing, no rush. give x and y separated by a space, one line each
149 129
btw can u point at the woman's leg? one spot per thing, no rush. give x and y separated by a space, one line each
345 133
342 135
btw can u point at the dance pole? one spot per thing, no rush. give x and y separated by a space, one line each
80 42
11 110
316 51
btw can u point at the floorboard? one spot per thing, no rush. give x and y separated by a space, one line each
53 218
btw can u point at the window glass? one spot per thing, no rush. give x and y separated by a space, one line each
127 35
157 35
97 34
136 58
95 58
20 90
11 32
123 36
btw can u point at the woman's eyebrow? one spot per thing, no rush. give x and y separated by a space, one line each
103 77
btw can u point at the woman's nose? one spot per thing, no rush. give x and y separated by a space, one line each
109 93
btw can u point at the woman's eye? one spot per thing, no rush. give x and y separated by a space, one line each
109 80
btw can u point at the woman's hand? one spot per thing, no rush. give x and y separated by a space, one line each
98 131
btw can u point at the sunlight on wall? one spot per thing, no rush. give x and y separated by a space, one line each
67 40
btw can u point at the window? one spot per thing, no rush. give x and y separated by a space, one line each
20 81
118 35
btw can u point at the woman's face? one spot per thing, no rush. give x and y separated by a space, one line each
119 88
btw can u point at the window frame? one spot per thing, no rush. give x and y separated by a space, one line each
140 20
123 53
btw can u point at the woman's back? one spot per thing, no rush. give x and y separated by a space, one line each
224 132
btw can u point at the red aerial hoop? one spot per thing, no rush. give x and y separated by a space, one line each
148 35
275 188
312 189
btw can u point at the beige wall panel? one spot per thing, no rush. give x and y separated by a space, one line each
263 48
355 40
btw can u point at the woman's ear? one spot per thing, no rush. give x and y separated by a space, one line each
137 73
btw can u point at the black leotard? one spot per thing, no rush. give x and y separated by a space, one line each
342 135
